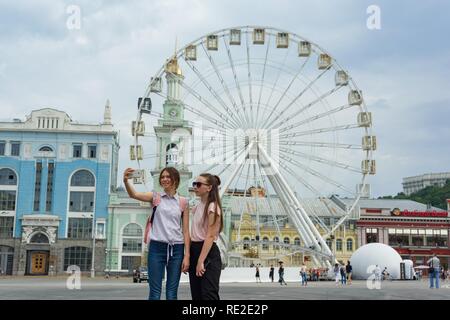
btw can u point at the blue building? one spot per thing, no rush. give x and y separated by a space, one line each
55 179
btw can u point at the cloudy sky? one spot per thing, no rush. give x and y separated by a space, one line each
403 68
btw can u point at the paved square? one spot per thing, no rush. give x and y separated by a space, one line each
36 288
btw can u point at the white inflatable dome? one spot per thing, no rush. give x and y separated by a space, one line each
369 255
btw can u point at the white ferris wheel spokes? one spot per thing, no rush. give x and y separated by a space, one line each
267 109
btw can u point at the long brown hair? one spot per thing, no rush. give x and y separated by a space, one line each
213 197
174 176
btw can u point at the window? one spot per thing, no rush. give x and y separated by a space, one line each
48 203
2 148
371 235
39 238
15 149
246 243
276 240
132 238
130 263
349 244
297 241
6 227
46 149
37 186
7 200
79 228
132 245
82 178
81 201
338 245
92 151
77 148
265 244
100 230
132 230
7 177
286 240
400 237
78 256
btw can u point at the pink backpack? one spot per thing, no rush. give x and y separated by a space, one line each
155 203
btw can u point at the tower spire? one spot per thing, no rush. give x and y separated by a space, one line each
107 114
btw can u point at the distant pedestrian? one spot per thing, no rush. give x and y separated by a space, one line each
258 279
304 275
272 271
433 271
343 275
349 270
281 274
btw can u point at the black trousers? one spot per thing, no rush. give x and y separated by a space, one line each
207 286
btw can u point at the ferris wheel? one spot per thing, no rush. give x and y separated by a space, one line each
264 109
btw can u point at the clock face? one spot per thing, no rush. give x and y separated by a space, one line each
173 113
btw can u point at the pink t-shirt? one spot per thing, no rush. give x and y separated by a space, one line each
199 226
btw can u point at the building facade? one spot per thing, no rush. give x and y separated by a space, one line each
126 249
415 231
416 183
256 238
55 179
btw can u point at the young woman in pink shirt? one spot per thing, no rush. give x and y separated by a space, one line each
207 222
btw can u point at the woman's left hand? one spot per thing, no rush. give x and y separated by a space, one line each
185 265
200 270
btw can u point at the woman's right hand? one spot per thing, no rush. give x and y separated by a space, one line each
127 174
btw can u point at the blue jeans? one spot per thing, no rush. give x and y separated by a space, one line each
163 256
435 275
343 279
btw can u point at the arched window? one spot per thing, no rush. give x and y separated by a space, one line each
82 189
7 177
276 240
286 240
132 238
265 244
46 149
349 244
39 238
82 178
339 245
79 256
172 154
297 241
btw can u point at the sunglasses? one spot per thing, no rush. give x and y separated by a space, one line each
196 184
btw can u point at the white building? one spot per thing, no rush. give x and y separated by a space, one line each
416 183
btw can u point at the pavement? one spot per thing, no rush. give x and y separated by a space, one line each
57 288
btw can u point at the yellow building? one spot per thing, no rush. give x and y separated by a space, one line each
255 238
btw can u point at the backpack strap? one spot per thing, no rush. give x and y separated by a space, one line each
156 200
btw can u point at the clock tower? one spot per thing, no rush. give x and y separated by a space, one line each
173 133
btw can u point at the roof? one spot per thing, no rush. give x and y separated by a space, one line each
402 204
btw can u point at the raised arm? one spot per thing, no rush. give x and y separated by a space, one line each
141 196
